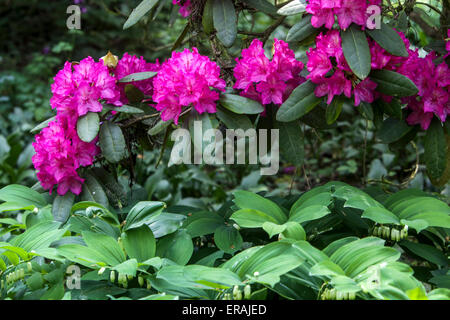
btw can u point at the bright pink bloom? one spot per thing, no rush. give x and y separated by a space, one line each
186 79
268 81
185 7
132 64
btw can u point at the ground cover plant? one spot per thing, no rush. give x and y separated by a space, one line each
336 187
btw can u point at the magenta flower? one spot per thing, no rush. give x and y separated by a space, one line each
185 7
324 12
186 79
132 64
268 81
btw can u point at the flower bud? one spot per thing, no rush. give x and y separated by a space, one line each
110 60
247 292
29 266
112 276
149 284
141 281
100 272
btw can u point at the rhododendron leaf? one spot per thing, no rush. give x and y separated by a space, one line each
62 206
112 142
240 105
389 40
228 239
301 101
445 177
293 7
301 30
393 108
138 76
334 110
134 95
436 150
292 144
88 126
356 51
93 191
159 127
262 5
234 121
393 130
393 84
42 125
225 21
125 109
207 19
138 12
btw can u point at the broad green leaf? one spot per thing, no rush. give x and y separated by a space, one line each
292 144
105 246
112 142
39 236
138 12
139 243
327 268
138 76
22 195
234 121
62 206
301 101
393 84
393 130
240 105
142 213
309 213
380 215
356 51
250 218
427 252
128 267
293 231
207 18
334 110
262 5
88 126
225 21
436 150
196 276
301 30
177 247
273 229
228 239
389 40
249 200
93 191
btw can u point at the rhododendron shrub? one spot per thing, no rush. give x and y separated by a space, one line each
323 57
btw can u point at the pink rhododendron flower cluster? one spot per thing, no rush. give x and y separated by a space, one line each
78 89
346 11
132 64
185 7
59 153
330 71
264 80
186 79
